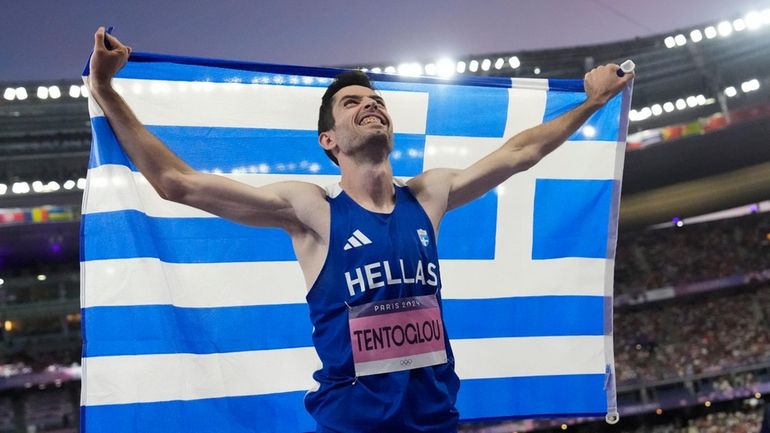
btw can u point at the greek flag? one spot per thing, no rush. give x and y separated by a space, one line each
192 323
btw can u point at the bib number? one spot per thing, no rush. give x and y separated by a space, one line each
397 335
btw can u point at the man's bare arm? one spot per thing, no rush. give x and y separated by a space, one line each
276 205
441 190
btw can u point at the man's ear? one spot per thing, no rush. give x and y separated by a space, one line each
327 140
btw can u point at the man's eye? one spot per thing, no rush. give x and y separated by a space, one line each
349 102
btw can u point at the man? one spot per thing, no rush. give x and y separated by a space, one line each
367 247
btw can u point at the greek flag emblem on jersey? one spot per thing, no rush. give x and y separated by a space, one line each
423 237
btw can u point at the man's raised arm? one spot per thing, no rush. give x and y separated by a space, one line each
441 190
278 205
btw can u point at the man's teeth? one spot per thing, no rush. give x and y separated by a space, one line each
370 119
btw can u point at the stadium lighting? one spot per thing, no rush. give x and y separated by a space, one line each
460 67
473 66
21 93
645 113
589 131
42 92
681 104
730 92
41 277
9 94
52 186
753 20
537 70
485 64
514 62
37 186
680 40
725 29
700 99
445 68
668 107
390 69
84 91
20 187
766 16
69 184
2 281
410 69
696 36
739 25
499 63
657 110
3 188
692 101
670 42
750 86
81 183
74 91
430 69
376 70
710 32
54 92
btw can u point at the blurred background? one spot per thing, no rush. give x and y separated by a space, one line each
692 273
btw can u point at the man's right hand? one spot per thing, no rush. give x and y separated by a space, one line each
105 63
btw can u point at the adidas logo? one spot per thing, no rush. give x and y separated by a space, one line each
357 240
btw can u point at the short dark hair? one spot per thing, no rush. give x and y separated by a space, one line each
325 116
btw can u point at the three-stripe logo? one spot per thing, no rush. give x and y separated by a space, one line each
357 240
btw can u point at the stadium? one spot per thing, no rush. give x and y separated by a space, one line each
692 268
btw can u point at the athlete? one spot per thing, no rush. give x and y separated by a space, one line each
367 246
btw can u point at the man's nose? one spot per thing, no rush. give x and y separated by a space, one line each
371 104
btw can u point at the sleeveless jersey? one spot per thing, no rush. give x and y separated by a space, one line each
373 258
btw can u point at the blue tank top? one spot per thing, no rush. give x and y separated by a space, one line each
376 257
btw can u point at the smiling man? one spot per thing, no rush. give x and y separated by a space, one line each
366 246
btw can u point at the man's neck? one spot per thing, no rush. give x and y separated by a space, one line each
370 185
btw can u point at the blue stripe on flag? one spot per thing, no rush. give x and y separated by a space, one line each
250 150
566 395
524 316
604 124
159 329
455 110
458 241
154 329
571 218
246 414
151 66
132 234
464 111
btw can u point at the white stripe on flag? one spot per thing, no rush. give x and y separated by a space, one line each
148 281
532 356
238 105
148 378
572 160
116 187
526 106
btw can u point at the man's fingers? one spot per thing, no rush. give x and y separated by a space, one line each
116 44
99 39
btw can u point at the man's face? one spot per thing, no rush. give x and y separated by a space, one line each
362 126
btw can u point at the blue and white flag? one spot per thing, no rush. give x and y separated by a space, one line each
196 324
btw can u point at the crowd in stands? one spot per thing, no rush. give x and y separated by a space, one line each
652 259
693 336
738 421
